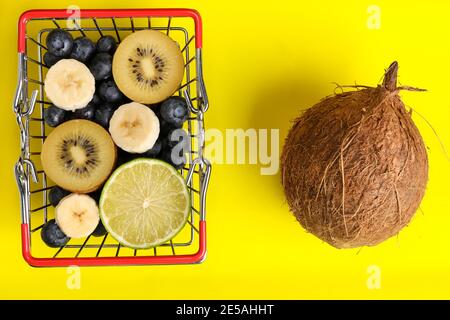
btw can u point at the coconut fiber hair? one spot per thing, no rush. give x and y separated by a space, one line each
354 166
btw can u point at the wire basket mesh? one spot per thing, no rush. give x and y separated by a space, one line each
182 25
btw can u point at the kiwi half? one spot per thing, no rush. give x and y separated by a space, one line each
148 66
78 155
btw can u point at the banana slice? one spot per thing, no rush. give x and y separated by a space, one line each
134 127
77 215
69 84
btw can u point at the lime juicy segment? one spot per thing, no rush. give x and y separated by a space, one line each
144 203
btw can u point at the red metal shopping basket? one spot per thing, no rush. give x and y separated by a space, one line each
185 27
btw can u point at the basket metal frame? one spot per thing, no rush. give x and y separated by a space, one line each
24 105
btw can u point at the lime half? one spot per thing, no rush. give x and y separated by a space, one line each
144 203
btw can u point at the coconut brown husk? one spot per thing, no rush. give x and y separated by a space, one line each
355 167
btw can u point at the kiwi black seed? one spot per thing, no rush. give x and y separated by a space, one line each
90 150
78 155
158 61
148 66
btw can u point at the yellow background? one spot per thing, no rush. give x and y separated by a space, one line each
263 63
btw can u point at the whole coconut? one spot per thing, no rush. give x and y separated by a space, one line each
354 166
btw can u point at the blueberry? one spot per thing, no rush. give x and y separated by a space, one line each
164 126
87 112
96 99
156 108
124 157
106 44
176 137
103 114
109 92
50 59
59 43
52 235
155 150
175 111
83 49
56 194
176 160
96 194
101 66
54 116
99 230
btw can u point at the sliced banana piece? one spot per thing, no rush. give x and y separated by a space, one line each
134 127
77 215
69 84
